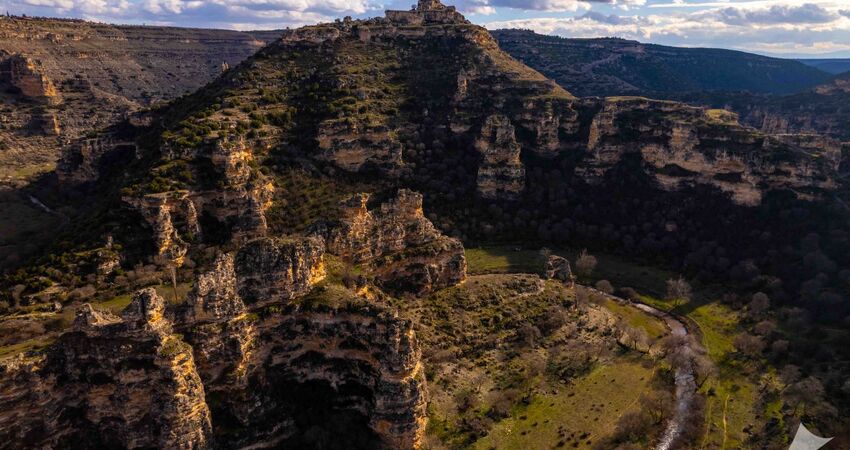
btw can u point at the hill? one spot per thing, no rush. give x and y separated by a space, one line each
831 65
79 76
607 66
821 110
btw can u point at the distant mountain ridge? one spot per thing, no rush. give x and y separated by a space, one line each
831 65
613 66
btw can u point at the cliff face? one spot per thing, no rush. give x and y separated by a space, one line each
239 373
110 57
271 269
99 73
501 174
683 145
28 78
407 253
111 382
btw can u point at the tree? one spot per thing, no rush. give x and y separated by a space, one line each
636 338
582 298
604 286
585 264
657 405
749 345
678 291
804 392
759 304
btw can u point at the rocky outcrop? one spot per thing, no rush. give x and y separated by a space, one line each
173 219
84 160
558 268
501 175
354 146
123 382
684 145
286 372
26 76
276 269
407 252
214 295
354 371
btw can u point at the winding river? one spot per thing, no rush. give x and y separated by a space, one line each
686 386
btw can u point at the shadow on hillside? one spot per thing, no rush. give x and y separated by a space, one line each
32 216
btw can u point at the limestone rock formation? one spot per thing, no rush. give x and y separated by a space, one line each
275 269
214 296
84 160
501 175
27 76
161 212
111 382
407 252
359 364
684 145
558 268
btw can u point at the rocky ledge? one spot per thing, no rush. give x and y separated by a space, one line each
395 239
234 376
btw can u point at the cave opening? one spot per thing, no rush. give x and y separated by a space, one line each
328 418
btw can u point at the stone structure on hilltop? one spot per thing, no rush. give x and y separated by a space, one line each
426 12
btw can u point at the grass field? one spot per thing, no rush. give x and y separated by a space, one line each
654 327
578 414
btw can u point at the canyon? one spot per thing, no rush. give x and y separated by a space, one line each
279 255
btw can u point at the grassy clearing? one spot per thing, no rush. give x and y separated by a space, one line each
732 395
513 259
717 323
654 327
502 260
25 346
583 411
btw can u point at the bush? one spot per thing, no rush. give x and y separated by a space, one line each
605 286
585 264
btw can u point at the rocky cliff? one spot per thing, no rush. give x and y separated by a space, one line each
110 382
100 73
686 145
286 370
407 253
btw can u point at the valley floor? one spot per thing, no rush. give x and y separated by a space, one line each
733 408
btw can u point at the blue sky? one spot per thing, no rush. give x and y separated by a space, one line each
793 28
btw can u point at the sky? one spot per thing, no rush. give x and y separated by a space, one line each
788 28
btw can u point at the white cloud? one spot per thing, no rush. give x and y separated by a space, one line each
801 30
807 13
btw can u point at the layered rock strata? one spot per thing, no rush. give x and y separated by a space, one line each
125 382
406 251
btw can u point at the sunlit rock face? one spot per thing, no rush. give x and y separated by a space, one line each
279 268
112 381
406 251
223 372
